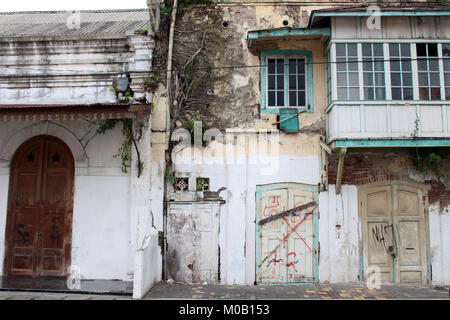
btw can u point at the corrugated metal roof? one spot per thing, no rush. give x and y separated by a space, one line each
58 23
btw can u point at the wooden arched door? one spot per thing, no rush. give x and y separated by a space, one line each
40 202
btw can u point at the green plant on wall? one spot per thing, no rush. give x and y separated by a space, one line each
124 152
430 159
190 126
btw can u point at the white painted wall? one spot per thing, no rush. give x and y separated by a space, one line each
440 244
339 235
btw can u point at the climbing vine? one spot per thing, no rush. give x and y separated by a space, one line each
429 159
131 139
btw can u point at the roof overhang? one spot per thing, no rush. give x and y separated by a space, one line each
384 12
257 39
30 112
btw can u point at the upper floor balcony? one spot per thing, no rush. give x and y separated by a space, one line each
388 94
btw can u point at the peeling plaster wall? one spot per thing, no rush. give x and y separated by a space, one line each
101 217
339 235
440 244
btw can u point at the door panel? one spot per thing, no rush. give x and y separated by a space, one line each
285 246
40 209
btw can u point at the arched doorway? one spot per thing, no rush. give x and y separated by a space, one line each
40 202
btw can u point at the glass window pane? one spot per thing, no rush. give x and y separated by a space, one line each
280 66
301 66
342 93
354 93
395 79
368 79
393 50
379 66
340 50
447 78
408 94
301 98
367 66
422 64
396 94
292 98
423 79
341 65
395 66
342 79
378 49
407 79
446 64
353 65
292 66
271 82
280 82
435 93
447 93
423 93
433 65
366 49
406 65
434 79
280 98
406 49
301 82
380 93
292 82
446 49
271 98
271 65
379 79
368 94
353 79
352 49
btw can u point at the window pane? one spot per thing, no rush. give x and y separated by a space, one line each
367 66
352 49
421 49
423 79
341 64
379 79
422 64
380 93
301 98
301 66
395 66
406 65
407 79
280 98
292 98
292 66
280 82
435 94
434 79
353 65
446 49
393 50
368 79
354 93
395 79
433 65
447 79
446 64
301 82
423 93
447 93
271 98
396 94
406 49
379 66
292 82
342 79
408 94
340 50
368 93
342 93
271 65
271 82
280 67
366 49
378 49
353 79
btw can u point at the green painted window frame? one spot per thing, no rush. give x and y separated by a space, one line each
309 80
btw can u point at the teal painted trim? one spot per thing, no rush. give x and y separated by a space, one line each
393 143
429 269
365 13
252 35
263 72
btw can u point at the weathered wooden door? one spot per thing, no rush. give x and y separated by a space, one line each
393 229
286 247
39 224
193 242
